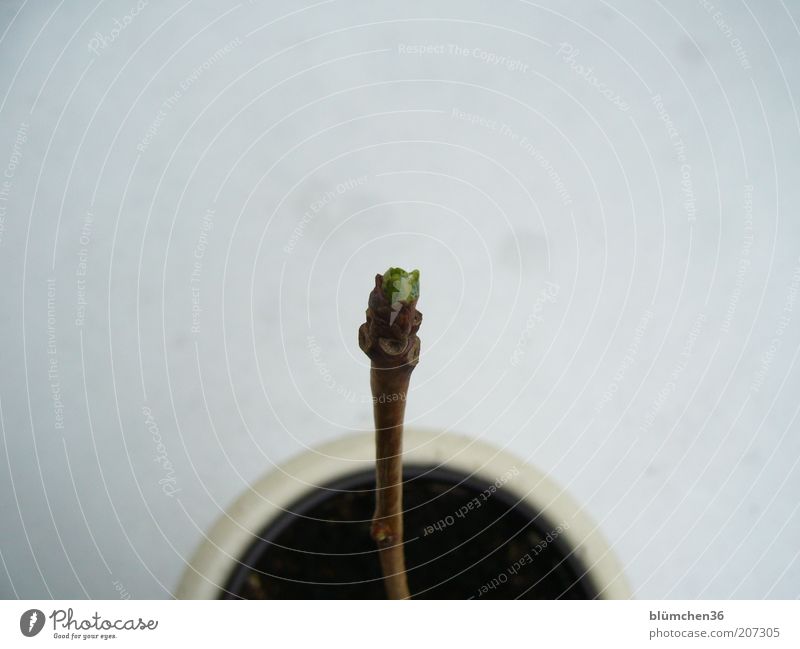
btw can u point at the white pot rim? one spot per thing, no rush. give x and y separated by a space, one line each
233 533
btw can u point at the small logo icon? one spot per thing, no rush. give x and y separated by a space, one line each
31 622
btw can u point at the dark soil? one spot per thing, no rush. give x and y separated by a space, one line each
321 548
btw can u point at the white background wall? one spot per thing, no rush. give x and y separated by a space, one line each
616 201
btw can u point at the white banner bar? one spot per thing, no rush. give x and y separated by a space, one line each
386 625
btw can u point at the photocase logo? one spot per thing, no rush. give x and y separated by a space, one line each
31 622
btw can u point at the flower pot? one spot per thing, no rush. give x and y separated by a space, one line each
479 523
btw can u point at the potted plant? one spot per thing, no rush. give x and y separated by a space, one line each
448 517
389 338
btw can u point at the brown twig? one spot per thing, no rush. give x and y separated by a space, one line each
389 338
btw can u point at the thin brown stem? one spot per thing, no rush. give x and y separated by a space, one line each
387 523
389 338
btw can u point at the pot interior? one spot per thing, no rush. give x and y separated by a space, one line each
461 542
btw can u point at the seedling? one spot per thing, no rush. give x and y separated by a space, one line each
389 338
